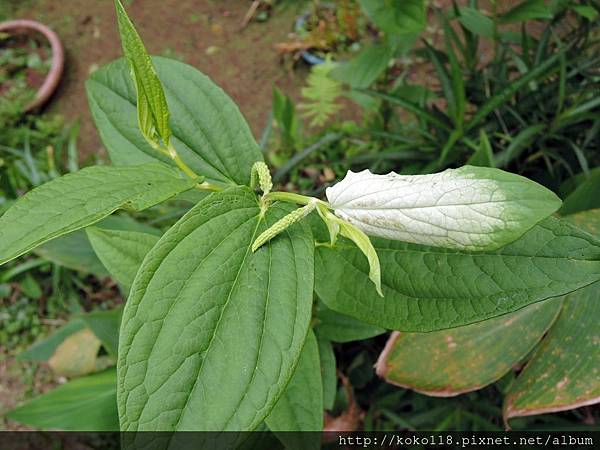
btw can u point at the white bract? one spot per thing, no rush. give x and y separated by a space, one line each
471 208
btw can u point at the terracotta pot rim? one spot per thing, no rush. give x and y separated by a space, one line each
58 58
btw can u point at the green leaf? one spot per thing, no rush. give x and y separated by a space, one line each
211 331
209 132
338 327
588 12
395 17
519 143
420 112
84 404
328 371
429 289
320 95
121 252
153 111
563 372
586 220
585 196
300 407
363 243
75 252
539 73
484 156
44 349
451 362
527 10
470 208
72 251
105 325
362 70
476 22
80 199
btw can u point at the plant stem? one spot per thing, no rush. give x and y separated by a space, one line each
290 197
172 153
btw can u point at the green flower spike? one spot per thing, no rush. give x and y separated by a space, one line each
284 223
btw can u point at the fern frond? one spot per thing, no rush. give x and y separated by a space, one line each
321 94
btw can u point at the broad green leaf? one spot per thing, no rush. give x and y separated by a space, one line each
527 10
76 355
430 288
105 325
362 70
471 208
209 132
338 327
212 332
80 199
152 108
563 372
44 349
85 404
328 371
121 252
396 17
585 196
300 407
451 362
476 22
74 250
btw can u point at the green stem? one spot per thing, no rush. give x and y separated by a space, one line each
290 197
172 153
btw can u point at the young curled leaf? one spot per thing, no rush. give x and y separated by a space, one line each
360 239
471 208
153 112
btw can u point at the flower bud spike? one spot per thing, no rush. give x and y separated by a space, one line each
282 224
260 171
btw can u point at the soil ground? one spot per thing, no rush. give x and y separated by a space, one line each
206 34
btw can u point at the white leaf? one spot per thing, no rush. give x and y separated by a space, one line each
471 208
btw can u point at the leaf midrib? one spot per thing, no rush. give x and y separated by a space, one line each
471 255
214 334
507 291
